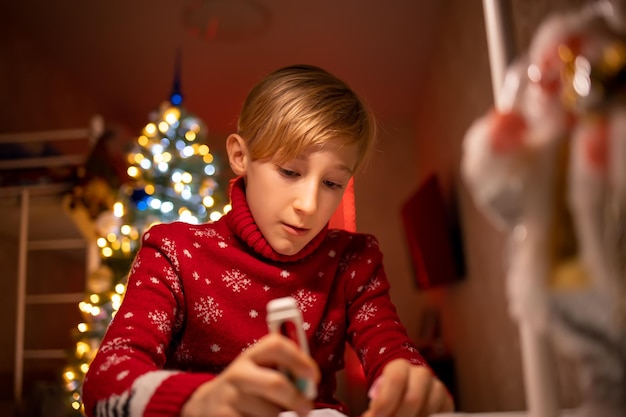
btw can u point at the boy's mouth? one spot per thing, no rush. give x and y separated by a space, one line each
294 230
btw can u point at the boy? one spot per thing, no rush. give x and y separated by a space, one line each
190 338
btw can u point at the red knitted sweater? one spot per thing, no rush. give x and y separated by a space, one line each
196 298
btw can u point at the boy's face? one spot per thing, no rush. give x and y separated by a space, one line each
291 202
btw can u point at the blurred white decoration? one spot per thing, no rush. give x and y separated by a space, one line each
549 167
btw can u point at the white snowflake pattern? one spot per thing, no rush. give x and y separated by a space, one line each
332 253
208 310
236 280
305 299
196 245
122 375
284 273
128 315
371 242
118 343
366 312
112 360
157 255
159 349
182 354
195 275
326 331
171 276
138 283
306 326
169 247
249 345
374 284
266 288
207 281
369 261
215 348
353 274
187 253
135 265
320 274
154 280
254 314
382 350
160 320
212 234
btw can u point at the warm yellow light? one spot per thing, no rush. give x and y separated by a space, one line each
149 189
111 237
82 327
203 149
171 115
116 301
184 211
163 127
119 288
84 367
118 209
84 307
190 136
75 405
95 311
138 157
150 129
215 216
208 158
69 375
227 208
186 178
126 245
107 252
179 187
102 242
116 245
167 157
142 140
94 298
125 229
82 348
132 171
208 201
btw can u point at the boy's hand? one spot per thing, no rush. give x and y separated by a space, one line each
252 385
405 390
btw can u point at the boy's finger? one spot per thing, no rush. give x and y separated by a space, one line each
390 391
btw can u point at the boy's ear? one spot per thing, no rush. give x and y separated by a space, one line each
237 154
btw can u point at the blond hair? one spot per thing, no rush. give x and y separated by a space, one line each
297 108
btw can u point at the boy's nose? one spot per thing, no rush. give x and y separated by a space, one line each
306 199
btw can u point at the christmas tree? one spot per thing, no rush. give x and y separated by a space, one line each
172 176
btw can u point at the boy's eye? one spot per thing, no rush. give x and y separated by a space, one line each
333 185
287 172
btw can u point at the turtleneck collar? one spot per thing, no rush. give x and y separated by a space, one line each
241 222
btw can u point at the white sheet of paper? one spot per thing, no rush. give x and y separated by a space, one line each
321 412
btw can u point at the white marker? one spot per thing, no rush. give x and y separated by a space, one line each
284 317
